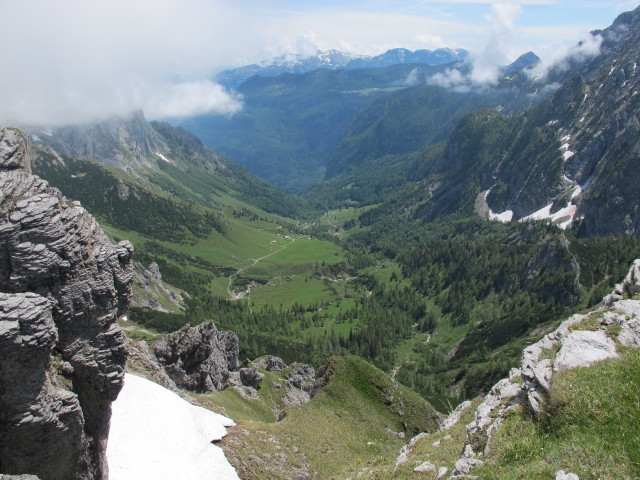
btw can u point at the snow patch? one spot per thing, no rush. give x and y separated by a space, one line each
48 132
576 191
503 217
563 218
566 153
156 434
163 157
35 138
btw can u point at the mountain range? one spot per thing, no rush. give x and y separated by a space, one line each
450 229
334 59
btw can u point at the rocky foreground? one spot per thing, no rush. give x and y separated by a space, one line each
63 286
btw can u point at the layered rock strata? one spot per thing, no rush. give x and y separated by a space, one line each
63 286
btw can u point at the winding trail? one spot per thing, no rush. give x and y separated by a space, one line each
255 261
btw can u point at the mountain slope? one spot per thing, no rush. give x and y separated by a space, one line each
291 124
574 156
168 158
380 145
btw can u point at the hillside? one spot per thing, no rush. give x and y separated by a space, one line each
572 159
569 411
291 123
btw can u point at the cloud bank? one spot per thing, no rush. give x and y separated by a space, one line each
72 61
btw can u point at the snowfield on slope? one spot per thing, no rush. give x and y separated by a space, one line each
157 435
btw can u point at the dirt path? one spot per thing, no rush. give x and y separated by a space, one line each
255 261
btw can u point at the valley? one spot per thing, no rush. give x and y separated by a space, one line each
360 251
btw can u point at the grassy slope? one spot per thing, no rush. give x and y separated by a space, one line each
343 430
590 429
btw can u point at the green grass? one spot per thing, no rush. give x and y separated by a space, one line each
340 432
591 428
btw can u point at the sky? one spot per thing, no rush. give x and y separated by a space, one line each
74 61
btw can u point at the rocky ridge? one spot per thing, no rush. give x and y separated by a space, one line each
62 288
566 347
120 141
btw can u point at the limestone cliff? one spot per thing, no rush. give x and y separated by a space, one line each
63 286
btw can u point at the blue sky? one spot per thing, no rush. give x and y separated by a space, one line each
371 26
80 60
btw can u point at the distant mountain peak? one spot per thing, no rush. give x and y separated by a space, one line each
524 61
335 59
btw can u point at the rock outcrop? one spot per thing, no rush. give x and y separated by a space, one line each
565 348
150 290
63 288
198 358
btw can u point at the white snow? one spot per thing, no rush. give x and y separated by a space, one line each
566 138
35 138
501 217
612 69
566 153
156 435
48 132
163 157
562 218
576 191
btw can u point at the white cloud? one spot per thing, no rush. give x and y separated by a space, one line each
486 65
73 61
431 41
562 58
448 79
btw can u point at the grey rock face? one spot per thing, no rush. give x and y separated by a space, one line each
14 150
122 142
198 358
582 348
58 252
274 364
18 477
251 377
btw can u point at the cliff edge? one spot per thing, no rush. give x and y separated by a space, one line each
62 288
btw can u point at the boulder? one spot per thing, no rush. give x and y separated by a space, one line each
425 467
582 348
251 377
198 358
